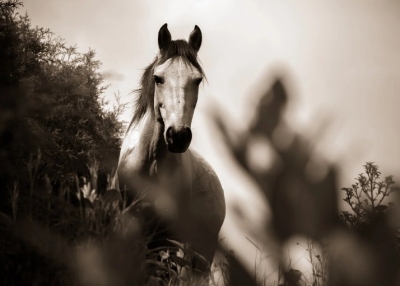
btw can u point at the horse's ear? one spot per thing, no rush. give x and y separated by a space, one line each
195 38
164 37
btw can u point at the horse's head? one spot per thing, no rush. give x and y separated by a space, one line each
177 76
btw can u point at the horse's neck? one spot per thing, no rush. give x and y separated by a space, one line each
151 147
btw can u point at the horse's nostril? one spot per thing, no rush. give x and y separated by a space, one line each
170 135
169 132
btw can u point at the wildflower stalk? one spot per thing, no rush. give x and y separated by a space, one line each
78 190
33 166
367 196
49 190
14 200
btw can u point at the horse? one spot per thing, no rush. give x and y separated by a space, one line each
155 157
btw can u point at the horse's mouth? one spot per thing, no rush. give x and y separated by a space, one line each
178 147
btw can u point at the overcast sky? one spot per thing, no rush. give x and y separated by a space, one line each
343 58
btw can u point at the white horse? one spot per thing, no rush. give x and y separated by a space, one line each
184 188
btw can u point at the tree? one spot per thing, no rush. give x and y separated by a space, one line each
51 100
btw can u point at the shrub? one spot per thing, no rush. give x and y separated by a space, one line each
367 197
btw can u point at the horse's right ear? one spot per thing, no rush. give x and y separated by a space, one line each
164 37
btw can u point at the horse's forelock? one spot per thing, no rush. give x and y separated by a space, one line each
181 49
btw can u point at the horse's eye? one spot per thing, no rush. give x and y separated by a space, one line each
198 80
158 79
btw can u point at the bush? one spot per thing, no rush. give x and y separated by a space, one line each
51 100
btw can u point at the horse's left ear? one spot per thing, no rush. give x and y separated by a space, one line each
195 38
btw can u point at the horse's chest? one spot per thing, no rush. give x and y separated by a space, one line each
175 172
174 186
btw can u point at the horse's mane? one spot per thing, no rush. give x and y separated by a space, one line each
145 94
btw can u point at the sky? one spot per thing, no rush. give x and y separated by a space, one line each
342 58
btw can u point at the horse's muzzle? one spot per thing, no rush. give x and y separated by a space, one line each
178 139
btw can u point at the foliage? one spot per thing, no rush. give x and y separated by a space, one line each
52 100
52 125
366 197
109 237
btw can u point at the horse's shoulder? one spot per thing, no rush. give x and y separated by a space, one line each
205 178
130 162
130 141
207 190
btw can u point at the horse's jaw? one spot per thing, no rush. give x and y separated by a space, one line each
175 150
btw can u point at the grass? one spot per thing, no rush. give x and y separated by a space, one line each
78 236
84 233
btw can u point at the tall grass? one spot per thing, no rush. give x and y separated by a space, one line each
84 233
